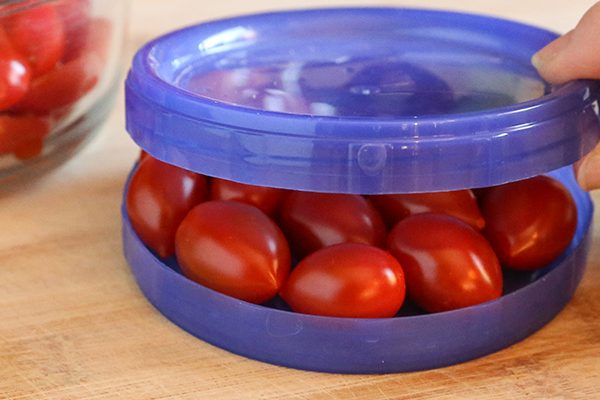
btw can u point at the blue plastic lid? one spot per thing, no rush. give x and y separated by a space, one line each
358 100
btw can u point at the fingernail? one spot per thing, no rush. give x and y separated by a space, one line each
538 60
545 56
588 172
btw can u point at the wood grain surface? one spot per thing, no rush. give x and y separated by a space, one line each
73 324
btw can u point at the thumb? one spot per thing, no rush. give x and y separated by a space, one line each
575 55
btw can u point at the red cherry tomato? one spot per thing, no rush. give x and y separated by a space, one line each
461 204
447 263
158 198
315 220
75 15
346 280
15 74
265 198
233 248
480 192
37 33
530 222
22 134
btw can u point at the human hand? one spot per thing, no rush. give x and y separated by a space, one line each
576 55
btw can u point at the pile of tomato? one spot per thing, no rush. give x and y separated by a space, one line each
51 54
352 255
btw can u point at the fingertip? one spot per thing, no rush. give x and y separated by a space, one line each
575 55
587 172
553 61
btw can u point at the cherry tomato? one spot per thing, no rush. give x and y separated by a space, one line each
22 134
265 198
447 263
158 198
233 248
15 74
480 192
38 34
529 222
315 220
461 204
75 16
346 280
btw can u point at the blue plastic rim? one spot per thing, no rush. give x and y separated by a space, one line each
367 101
404 343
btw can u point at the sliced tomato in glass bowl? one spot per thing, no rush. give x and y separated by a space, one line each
15 73
76 18
61 87
38 34
23 135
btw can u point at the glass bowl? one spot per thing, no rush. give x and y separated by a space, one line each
58 77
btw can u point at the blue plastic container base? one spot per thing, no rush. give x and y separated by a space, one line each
366 101
346 345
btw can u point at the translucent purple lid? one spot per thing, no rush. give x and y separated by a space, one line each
358 100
